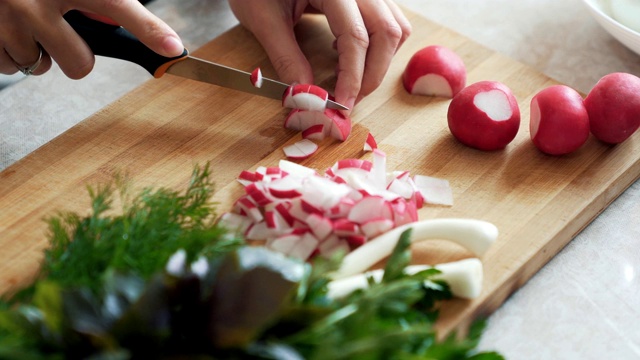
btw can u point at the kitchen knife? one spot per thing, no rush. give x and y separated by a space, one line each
116 42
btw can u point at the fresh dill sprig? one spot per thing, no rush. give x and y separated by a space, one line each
150 228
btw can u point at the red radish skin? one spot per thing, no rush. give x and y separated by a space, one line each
370 143
301 213
559 122
256 77
484 115
613 105
435 71
305 97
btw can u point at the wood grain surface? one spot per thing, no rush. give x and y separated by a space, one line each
159 131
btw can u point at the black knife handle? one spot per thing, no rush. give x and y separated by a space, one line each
116 42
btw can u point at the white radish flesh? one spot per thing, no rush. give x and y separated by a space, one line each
475 235
301 149
335 124
305 97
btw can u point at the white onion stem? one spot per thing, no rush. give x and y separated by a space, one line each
475 235
464 278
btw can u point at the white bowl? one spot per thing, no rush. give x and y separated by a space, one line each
601 12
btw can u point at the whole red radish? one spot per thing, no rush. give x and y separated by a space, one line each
435 70
613 105
559 121
484 115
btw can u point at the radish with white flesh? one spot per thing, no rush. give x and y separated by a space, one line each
435 71
256 77
314 132
475 235
370 143
559 120
464 278
613 105
305 97
484 115
301 149
335 124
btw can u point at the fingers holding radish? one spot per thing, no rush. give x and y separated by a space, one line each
484 115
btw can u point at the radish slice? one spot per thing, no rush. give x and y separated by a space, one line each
301 150
475 235
256 77
305 97
370 143
464 278
434 190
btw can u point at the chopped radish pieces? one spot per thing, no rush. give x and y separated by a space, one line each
370 144
354 201
301 150
256 77
335 124
305 97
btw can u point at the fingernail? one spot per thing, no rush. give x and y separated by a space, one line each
172 46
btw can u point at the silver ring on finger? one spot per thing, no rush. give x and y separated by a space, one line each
29 69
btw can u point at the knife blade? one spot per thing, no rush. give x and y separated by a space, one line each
202 70
116 42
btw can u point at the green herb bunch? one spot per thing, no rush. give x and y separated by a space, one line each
104 296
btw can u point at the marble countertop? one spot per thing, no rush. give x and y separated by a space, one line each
584 304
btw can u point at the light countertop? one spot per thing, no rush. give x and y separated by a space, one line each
584 304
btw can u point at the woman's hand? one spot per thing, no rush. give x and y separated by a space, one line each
28 25
368 34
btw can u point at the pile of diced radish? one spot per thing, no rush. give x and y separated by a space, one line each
302 213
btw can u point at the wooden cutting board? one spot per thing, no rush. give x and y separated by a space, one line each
159 131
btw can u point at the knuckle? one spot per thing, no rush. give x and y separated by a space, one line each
359 35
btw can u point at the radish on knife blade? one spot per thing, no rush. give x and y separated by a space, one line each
559 121
475 235
464 278
305 97
301 149
435 71
613 105
484 115
256 77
